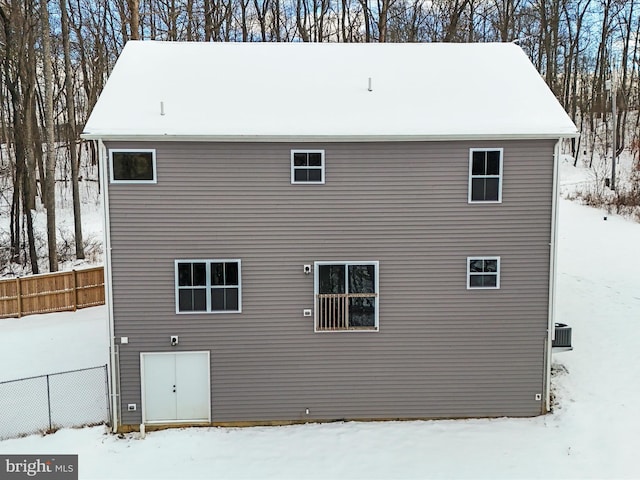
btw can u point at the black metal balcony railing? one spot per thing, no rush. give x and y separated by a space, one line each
562 339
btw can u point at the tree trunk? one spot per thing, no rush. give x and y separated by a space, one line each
366 19
19 79
243 20
71 119
301 20
28 147
14 250
134 19
50 180
383 14
33 255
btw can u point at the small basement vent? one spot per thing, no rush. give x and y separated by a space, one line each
562 341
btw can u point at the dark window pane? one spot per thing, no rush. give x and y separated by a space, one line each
199 300
315 159
223 299
476 266
199 274
491 189
217 299
300 175
300 160
231 298
493 163
134 166
490 265
478 163
192 300
490 280
185 300
184 275
477 190
477 281
485 189
362 279
217 274
331 279
362 312
315 175
231 273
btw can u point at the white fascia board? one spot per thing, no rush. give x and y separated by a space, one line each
324 138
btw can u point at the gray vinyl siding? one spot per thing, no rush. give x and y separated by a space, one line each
442 351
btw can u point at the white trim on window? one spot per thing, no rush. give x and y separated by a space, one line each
133 150
320 168
208 285
483 273
486 176
316 288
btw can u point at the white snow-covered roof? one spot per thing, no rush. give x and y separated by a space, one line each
306 91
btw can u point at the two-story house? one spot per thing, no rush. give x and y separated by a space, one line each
311 232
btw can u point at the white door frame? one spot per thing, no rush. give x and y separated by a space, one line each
142 373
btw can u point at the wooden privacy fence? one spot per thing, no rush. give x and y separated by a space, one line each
52 292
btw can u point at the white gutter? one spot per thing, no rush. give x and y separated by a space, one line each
553 258
132 137
114 379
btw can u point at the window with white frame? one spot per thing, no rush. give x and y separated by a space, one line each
346 296
307 166
483 272
208 286
132 166
485 175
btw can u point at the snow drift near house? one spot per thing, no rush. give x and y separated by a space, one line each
591 434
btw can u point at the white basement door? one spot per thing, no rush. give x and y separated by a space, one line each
175 387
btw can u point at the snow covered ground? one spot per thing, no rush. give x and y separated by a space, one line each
51 343
592 432
91 224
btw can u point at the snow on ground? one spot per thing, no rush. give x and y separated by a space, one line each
574 178
591 172
90 209
51 343
592 432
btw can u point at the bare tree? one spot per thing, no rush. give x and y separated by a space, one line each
19 40
71 130
134 19
50 190
383 18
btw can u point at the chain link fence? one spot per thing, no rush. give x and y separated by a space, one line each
49 402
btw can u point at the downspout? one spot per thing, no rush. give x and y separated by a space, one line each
114 370
553 258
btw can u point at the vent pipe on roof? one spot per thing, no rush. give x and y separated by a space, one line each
370 89
161 108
